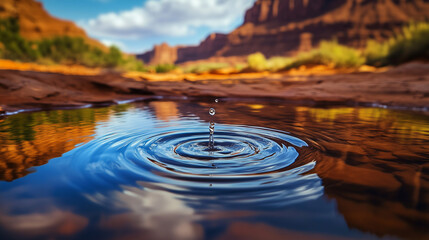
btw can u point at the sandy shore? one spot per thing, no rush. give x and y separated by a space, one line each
404 86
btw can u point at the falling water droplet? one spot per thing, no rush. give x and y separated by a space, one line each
211 127
211 138
212 111
216 100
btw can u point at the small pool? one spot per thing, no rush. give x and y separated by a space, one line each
146 170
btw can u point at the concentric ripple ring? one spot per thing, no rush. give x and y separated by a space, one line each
268 166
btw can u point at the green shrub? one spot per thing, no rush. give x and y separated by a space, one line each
412 43
330 53
131 63
240 66
13 45
205 67
113 57
257 62
275 64
376 53
164 68
65 49
62 49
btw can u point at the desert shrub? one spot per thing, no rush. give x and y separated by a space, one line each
412 43
64 49
164 68
61 49
131 63
13 45
275 64
114 57
332 54
240 66
205 67
94 57
376 53
257 62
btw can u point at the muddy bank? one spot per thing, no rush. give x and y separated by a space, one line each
41 90
404 86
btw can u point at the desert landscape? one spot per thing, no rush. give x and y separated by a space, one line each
188 119
218 65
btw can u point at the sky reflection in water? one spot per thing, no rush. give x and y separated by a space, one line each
340 172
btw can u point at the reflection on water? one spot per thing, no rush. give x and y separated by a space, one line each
327 173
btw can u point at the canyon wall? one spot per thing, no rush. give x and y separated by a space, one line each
285 27
36 23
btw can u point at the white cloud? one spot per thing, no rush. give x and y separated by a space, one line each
168 18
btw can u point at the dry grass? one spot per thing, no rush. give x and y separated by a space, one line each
69 70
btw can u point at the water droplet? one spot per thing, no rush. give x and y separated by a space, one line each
212 111
216 100
211 128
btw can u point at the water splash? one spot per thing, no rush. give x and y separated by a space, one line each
211 137
212 112
268 167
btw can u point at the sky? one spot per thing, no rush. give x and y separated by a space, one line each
136 25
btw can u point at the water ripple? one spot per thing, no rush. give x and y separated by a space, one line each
248 166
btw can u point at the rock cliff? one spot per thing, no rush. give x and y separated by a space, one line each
285 27
36 23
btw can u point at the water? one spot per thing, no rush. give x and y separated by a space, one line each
276 171
211 143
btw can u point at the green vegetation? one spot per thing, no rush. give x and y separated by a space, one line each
12 45
164 68
205 67
331 54
62 50
376 53
131 63
278 63
257 62
412 43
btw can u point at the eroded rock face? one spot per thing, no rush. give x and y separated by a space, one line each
36 23
284 27
288 26
210 47
165 54
160 54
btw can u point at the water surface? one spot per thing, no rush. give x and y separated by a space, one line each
145 170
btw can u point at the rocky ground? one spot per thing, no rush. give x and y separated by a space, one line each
403 86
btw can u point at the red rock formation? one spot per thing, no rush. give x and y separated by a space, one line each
284 27
163 53
160 54
36 23
210 47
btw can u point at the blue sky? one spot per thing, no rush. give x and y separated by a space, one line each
136 25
